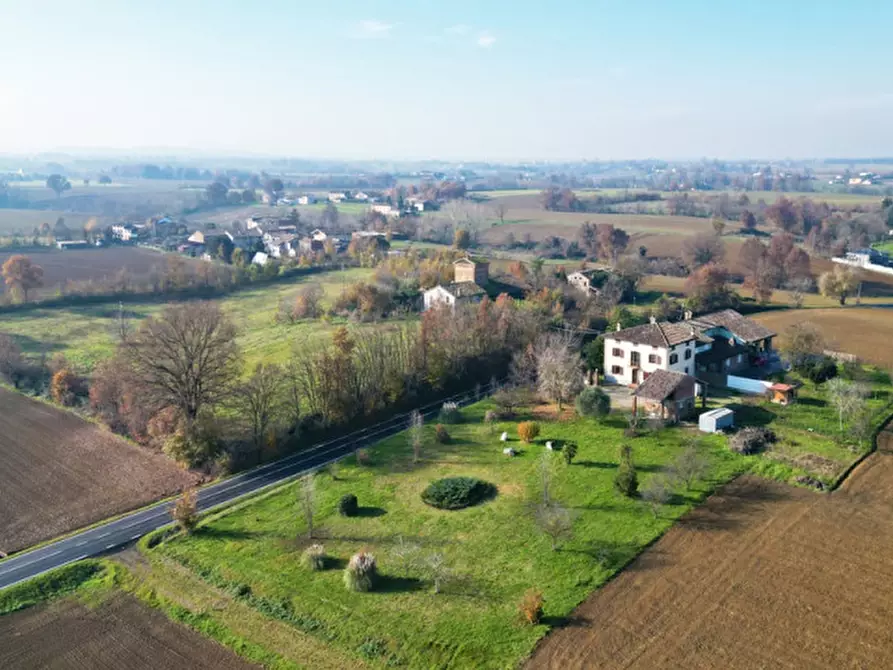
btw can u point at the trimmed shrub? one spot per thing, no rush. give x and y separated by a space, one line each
449 413
457 492
593 402
441 434
626 481
314 557
752 440
528 431
531 607
569 451
361 573
348 505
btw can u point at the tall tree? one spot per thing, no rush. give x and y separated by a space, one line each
259 401
702 249
839 283
558 368
186 358
748 220
21 275
58 183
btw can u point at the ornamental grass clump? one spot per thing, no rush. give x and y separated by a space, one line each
314 557
361 573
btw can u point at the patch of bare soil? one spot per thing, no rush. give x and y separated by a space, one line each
59 473
119 633
762 575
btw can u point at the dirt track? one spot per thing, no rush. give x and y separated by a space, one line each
761 576
120 633
59 472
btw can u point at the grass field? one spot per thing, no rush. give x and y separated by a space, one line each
85 334
886 247
93 264
762 575
61 473
864 332
494 548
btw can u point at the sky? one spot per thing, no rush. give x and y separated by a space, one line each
459 80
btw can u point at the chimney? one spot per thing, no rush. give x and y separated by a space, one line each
653 319
618 326
687 315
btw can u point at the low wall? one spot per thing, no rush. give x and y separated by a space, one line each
864 266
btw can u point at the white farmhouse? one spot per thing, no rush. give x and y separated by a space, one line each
720 343
451 294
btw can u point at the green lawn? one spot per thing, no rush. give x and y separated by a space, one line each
886 247
494 549
86 334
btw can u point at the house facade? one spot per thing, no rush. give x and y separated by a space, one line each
720 343
588 281
470 276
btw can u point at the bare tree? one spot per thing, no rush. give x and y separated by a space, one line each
848 398
558 372
307 501
185 511
259 401
656 492
187 358
555 521
416 434
546 470
501 210
11 359
690 465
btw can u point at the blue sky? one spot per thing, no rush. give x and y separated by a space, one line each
490 79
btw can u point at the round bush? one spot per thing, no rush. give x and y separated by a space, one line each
441 434
314 557
348 505
457 492
593 402
361 572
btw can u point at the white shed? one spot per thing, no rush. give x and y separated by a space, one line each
716 420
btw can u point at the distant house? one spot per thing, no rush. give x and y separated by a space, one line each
124 232
471 269
666 394
72 244
336 196
470 276
319 235
359 196
452 294
246 241
308 244
260 258
367 234
281 245
588 281
386 210
306 200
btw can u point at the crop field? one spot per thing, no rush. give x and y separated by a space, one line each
761 576
85 334
61 473
117 632
60 267
866 332
26 220
494 549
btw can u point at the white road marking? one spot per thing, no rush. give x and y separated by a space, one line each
55 553
111 545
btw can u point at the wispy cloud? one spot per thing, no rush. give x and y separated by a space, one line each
486 40
374 28
458 29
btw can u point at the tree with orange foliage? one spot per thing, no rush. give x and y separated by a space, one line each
63 386
21 275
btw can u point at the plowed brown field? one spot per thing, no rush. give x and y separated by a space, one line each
59 473
120 633
761 576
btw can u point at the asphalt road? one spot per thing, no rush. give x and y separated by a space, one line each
127 529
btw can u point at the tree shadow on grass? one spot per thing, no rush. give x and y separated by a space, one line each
394 584
570 621
370 512
751 415
812 402
225 533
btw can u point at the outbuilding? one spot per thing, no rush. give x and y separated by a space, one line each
716 420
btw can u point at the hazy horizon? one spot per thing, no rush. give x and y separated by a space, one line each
416 81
